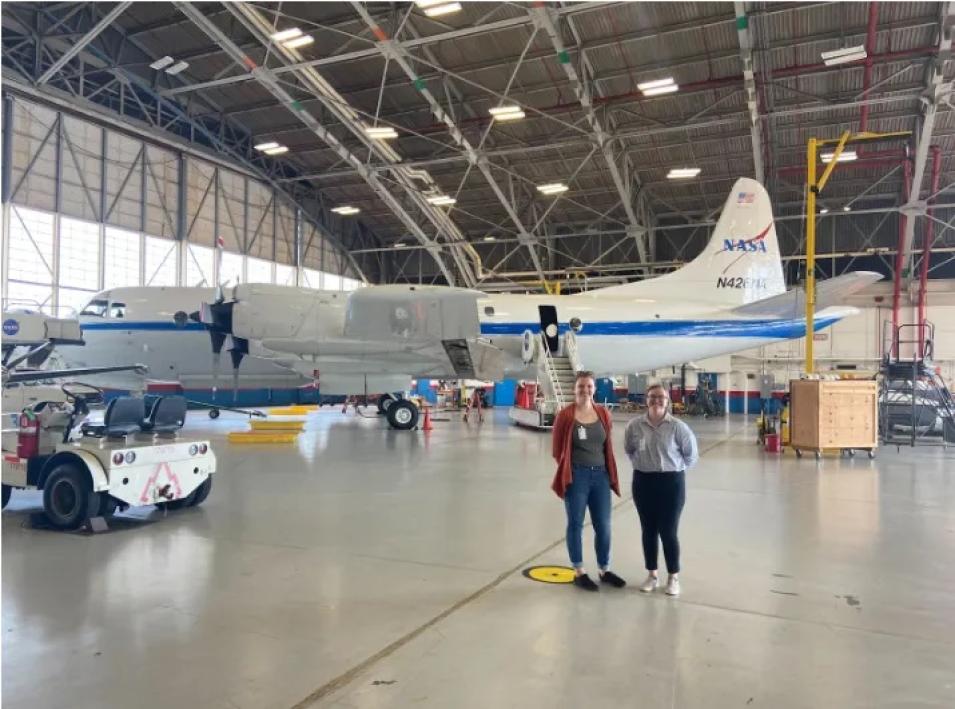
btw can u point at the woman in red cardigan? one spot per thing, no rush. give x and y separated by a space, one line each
586 473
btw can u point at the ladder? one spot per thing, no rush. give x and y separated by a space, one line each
557 373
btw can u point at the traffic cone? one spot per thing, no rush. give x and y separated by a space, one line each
427 425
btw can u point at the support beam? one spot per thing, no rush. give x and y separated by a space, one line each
81 43
935 91
266 77
394 51
545 19
745 35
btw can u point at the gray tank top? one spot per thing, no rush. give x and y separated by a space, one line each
588 446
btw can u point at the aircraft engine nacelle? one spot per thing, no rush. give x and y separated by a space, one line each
264 311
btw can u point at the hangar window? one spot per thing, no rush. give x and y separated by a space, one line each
200 263
312 278
284 275
121 258
95 308
160 262
230 269
258 271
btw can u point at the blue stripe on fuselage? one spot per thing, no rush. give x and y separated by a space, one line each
774 328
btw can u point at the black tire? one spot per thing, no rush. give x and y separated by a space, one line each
798 453
403 415
384 403
68 497
871 455
107 504
200 494
213 413
7 491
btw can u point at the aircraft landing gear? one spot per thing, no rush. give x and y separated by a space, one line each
384 403
213 413
402 415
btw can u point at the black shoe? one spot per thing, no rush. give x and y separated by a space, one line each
612 578
584 582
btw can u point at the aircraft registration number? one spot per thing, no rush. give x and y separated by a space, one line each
741 282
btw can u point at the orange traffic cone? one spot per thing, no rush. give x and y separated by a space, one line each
427 425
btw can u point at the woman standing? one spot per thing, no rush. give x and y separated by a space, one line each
586 473
661 449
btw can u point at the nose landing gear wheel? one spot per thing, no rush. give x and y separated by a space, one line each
402 415
384 403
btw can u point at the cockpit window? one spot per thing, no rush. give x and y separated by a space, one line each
117 310
95 308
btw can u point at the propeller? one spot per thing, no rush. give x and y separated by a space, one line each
240 348
217 317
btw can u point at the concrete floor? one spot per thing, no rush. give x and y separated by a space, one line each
371 568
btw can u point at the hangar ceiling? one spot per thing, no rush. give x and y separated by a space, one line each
752 88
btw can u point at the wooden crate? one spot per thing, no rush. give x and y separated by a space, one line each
834 414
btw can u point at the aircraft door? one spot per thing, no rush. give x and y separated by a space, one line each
549 326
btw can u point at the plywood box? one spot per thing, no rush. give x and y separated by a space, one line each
834 414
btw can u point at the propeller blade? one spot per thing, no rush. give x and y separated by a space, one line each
240 348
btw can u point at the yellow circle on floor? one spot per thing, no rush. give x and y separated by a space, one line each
550 574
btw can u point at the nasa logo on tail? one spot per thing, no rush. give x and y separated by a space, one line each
11 327
757 243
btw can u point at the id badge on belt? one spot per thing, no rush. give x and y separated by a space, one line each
581 433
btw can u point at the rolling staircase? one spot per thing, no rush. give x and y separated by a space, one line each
915 405
556 374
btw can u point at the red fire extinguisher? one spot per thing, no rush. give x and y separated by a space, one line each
28 438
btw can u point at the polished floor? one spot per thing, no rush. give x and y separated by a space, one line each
370 568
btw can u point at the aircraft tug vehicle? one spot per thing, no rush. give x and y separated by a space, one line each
133 458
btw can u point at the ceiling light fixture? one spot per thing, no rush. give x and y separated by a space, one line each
162 63
847 208
824 210
286 35
506 113
441 200
682 173
844 55
277 150
844 156
298 42
266 146
176 68
346 210
490 238
381 132
436 8
658 87
552 188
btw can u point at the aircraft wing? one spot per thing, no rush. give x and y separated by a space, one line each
36 375
792 304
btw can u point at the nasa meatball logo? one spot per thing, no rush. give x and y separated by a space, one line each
11 327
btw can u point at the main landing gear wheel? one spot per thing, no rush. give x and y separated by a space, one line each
403 415
213 413
68 497
384 403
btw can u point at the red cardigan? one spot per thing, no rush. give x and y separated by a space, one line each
563 442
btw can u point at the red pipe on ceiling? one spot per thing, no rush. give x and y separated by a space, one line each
867 74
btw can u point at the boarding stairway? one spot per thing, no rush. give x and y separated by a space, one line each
556 375
915 405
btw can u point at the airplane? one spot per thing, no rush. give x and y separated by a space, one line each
731 297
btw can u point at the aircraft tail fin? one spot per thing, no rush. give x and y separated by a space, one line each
741 263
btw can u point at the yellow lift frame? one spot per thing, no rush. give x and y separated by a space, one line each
815 187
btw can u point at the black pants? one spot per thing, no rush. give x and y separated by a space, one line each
659 498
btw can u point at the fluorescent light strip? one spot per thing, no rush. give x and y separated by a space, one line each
267 146
424 4
277 150
162 63
679 173
298 42
552 188
490 238
442 200
669 89
176 68
509 116
658 84
844 55
503 110
445 9
381 132
346 210
844 156
286 35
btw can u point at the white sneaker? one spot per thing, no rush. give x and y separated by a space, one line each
650 584
673 586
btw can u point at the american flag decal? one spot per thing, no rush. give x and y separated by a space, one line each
745 198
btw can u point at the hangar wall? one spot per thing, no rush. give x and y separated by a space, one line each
88 208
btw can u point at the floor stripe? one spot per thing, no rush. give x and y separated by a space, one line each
346 678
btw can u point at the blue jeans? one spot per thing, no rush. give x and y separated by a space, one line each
590 488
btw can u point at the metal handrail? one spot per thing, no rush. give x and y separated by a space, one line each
550 369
